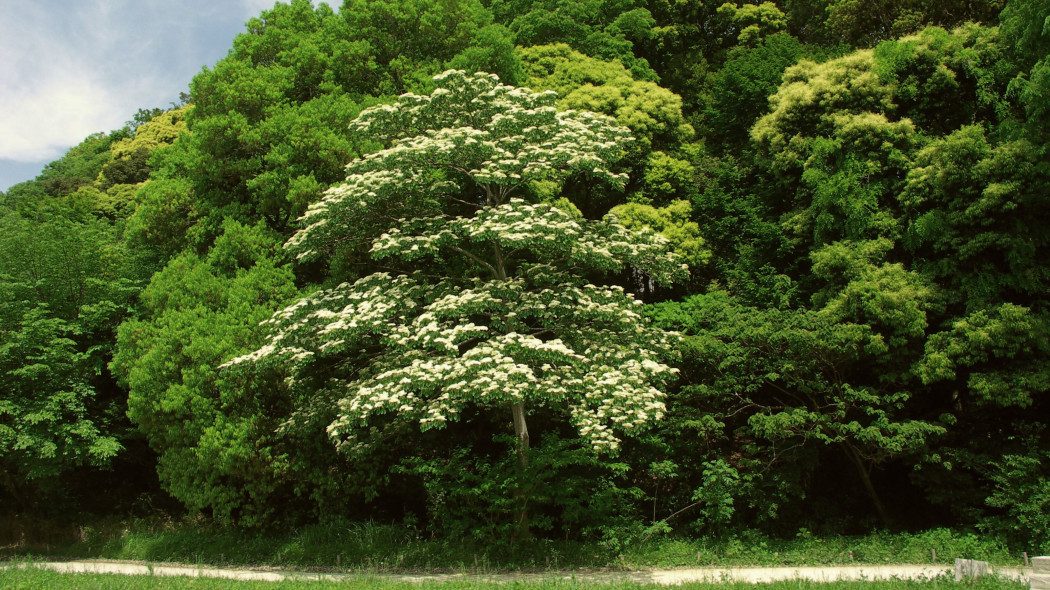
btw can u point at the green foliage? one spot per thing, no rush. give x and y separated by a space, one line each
56 262
214 435
861 288
1024 36
977 218
46 423
78 167
1003 349
1022 491
130 163
260 146
864 23
830 139
753 21
943 80
798 379
737 94
717 493
439 31
666 177
369 547
161 224
673 223
568 491
913 194
692 39
493 51
653 114
64 284
608 31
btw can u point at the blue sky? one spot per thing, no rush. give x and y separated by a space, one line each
70 68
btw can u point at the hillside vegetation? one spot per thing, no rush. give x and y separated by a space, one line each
519 270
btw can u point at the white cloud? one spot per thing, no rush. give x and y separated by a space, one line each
254 7
44 121
70 68
49 98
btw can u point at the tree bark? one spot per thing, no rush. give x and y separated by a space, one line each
521 432
865 477
521 429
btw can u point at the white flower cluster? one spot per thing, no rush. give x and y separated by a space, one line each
518 224
621 398
316 323
512 368
582 347
325 221
415 239
531 331
499 136
550 234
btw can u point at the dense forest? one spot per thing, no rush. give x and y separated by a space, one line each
536 269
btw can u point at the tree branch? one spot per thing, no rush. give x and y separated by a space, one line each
475 258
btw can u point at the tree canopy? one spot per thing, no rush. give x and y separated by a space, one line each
598 266
494 309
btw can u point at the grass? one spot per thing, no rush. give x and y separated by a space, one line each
377 548
937 546
34 579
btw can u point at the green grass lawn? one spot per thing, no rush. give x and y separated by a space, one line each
34 579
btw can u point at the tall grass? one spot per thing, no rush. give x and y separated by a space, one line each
937 546
372 547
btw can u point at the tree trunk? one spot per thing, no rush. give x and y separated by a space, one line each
12 489
521 431
865 477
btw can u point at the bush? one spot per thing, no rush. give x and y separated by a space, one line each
1022 489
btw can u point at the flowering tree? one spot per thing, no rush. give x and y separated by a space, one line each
487 302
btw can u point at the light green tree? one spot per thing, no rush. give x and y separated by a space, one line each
673 223
651 112
215 441
130 156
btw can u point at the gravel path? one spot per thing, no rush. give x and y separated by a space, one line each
666 577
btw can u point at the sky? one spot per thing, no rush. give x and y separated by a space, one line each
70 68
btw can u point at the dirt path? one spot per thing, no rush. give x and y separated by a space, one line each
666 577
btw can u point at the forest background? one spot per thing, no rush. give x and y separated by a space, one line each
856 190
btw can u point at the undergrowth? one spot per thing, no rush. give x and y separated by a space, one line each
373 547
